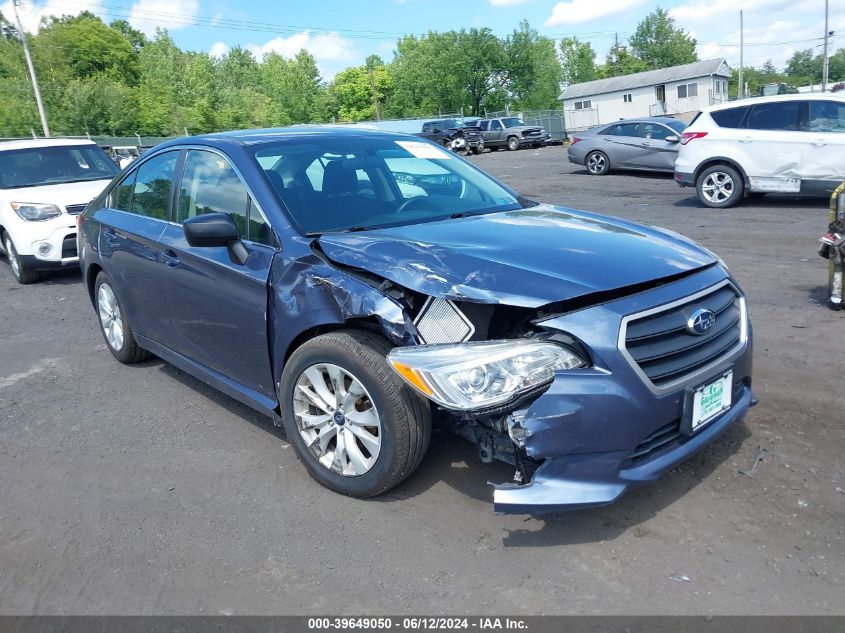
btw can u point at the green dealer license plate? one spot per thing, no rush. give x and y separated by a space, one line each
710 400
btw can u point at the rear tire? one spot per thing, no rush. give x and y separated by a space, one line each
597 163
114 323
513 143
23 273
338 386
720 187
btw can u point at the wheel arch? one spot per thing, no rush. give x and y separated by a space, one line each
720 160
91 278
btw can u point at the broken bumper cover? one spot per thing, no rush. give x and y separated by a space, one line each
601 430
581 481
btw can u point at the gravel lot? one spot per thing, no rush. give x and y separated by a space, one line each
131 490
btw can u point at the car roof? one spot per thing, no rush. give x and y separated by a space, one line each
801 96
270 135
29 143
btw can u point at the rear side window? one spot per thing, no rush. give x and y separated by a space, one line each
622 129
774 116
151 189
827 116
732 117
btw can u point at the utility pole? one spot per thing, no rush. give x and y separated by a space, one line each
31 71
375 94
739 88
824 55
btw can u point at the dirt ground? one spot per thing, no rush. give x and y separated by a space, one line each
138 490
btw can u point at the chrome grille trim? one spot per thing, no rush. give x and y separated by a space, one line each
703 371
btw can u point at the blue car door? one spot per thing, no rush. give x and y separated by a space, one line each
218 308
132 223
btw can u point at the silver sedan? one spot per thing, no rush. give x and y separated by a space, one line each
649 144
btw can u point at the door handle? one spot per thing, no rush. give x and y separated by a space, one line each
745 139
820 142
169 259
646 143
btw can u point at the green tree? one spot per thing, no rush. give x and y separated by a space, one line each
804 67
620 61
578 61
660 44
534 70
135 37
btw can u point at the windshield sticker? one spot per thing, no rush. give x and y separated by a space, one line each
424 150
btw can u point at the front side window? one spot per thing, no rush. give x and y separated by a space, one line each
210 185
484 125
495 125
654 131
781 115
151 189
375 182
827 116
37 166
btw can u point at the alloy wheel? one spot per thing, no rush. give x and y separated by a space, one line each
13 257
110 317
596 163
717 187
337 419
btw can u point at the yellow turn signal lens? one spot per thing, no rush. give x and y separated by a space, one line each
412 377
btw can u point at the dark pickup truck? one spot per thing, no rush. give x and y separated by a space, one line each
453 134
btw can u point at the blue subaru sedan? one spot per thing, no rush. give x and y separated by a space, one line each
360 286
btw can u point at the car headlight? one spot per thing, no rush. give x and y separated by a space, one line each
34 212
483 374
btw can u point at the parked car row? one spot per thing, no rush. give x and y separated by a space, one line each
474 135
780 144
360 286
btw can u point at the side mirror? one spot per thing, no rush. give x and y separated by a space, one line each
216 229
672 139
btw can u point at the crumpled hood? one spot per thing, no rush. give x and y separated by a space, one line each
528 257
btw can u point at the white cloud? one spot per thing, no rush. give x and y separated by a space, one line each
774 29
218 50
146 15
581 11
32 12
507 3
332 51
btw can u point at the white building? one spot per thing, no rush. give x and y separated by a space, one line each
679 91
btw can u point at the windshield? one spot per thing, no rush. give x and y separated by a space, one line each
338 183
513 122
37 166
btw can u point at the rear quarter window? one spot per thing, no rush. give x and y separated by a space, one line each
731 118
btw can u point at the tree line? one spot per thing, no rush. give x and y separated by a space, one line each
110 79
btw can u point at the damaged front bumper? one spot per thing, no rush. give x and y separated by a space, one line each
599 431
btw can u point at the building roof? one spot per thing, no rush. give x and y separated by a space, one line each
648 78
27 143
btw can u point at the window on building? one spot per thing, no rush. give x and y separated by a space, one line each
583 105
687 90
627 97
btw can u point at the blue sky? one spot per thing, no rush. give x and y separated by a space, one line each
342 33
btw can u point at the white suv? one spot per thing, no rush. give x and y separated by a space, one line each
44 184
784 144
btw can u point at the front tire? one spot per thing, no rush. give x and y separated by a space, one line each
357 428
114 324
597 163
513 143
720 187
23 273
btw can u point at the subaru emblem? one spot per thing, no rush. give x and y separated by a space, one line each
701 321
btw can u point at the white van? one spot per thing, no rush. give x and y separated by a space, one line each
44 184
783 144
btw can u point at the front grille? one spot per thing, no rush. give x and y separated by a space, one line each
666 351
75 209
69 246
